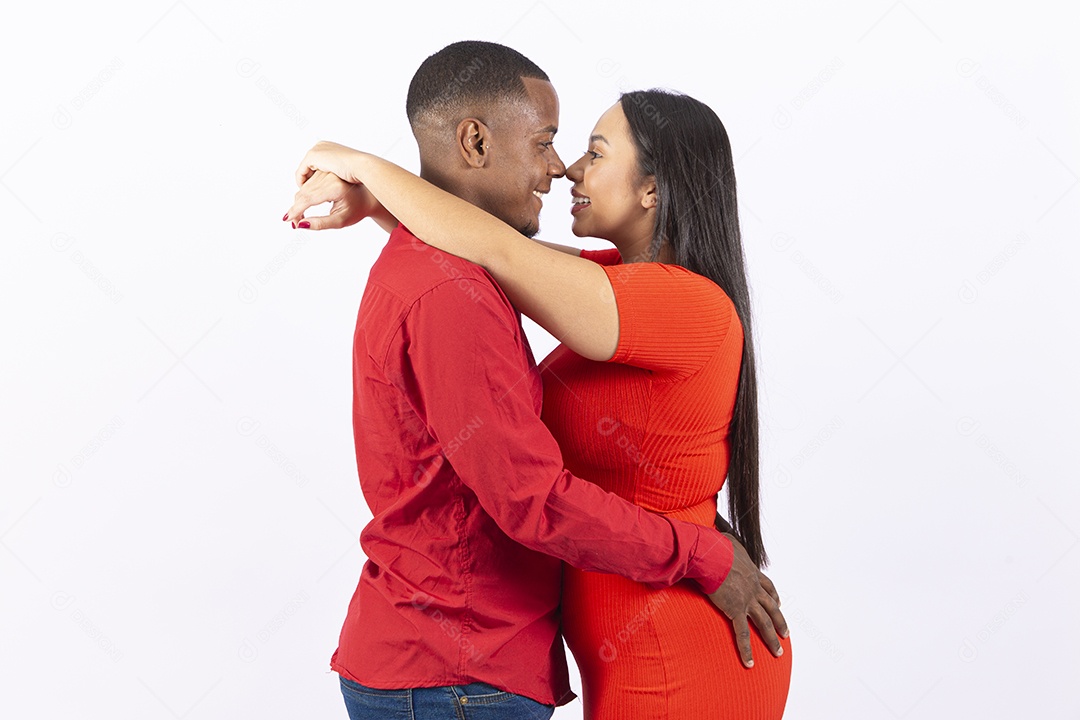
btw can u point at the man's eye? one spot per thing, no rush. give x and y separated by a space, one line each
546 145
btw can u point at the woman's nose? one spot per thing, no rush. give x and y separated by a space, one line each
576 171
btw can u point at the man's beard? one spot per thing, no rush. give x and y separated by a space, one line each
530 229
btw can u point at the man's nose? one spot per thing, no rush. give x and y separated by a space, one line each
556 168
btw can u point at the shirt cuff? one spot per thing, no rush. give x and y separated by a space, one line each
712 560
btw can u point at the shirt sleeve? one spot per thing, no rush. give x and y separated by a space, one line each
607 256
670 319
468 367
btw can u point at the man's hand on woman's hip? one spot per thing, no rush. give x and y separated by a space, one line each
747 594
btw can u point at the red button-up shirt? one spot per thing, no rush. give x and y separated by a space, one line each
473 510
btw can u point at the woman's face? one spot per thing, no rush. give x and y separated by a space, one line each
611 198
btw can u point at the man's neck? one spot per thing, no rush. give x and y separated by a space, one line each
444 181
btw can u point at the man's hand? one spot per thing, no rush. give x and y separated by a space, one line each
725 528
351 203
747 593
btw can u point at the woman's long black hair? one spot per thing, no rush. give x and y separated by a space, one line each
684 146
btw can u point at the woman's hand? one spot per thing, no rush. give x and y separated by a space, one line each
351 202
332 158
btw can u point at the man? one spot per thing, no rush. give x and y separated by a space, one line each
473 511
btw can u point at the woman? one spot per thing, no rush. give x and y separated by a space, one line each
651 393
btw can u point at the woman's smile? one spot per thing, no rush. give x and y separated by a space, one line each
579 202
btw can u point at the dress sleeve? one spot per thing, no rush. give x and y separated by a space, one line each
462 367
670 319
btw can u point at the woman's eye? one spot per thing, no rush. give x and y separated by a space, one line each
594 154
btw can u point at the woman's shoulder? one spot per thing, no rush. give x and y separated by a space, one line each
674 282
670 318
667 275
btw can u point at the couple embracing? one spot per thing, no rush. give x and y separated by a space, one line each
515 504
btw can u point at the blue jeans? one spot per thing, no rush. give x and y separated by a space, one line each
475 701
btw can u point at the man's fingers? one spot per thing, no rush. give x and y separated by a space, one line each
766 629
742 639
769 587
772 607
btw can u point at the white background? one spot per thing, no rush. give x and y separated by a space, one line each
180 510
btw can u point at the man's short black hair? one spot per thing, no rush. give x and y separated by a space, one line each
467 73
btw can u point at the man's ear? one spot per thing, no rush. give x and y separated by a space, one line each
649 198
473 139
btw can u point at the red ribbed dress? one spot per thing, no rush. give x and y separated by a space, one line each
651 425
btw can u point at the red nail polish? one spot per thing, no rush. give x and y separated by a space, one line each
293 225
285 216
304 224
